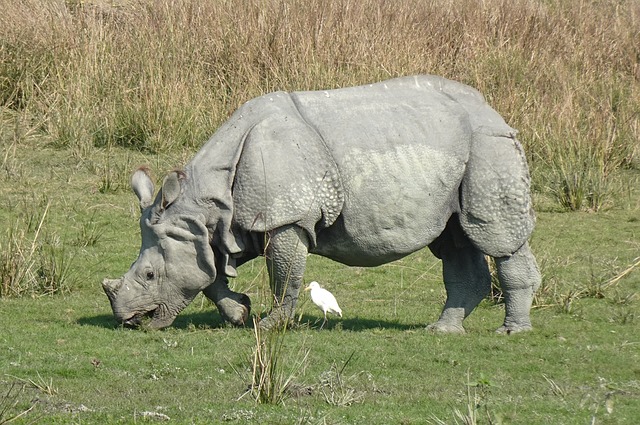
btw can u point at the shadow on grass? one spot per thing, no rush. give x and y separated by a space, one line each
356 324
211 319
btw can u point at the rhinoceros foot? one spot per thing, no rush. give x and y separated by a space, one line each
235 310
513 328
445 328
277 319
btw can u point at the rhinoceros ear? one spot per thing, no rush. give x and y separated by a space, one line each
189 228
143 187
171 187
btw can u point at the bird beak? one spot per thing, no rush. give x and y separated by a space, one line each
308 288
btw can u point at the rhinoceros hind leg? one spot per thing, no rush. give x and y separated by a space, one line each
286 256
520 278
466 277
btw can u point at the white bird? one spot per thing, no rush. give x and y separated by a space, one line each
323 299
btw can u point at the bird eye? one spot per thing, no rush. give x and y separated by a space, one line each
151 275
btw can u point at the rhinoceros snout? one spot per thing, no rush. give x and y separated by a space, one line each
111 287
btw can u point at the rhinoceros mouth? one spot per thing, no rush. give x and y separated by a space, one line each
137 319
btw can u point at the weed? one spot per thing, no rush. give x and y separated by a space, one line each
90 233
113 177
623 299
624 315
9 402
556 389
566 300
40 384
579 185
337 389
477 395
272 370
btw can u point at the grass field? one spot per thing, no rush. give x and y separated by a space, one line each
89 90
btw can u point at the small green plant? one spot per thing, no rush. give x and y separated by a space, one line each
565 301
477 395
582 187
90 233
113 177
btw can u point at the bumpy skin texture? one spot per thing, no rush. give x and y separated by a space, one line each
362 175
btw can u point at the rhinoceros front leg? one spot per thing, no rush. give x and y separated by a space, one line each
234 307
520 278
286 256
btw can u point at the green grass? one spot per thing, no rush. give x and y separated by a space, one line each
75 365
91 89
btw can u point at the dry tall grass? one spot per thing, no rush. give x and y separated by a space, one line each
158 74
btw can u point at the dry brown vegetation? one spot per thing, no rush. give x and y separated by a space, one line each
156 75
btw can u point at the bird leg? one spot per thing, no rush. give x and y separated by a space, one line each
324 321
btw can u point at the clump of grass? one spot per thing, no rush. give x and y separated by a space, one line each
272 370
477 395
31 265
580 184
41 384
338 389
90 233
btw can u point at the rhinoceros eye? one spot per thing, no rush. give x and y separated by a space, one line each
150 275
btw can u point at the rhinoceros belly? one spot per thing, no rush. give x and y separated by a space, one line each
396 202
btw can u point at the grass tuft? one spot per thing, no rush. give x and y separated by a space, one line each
476 395
338 389
32 265
273 368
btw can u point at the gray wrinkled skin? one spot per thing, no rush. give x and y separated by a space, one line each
364 176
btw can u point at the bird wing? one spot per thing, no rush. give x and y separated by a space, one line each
328 301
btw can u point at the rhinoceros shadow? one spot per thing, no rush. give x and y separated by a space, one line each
183 321
211 319
356 324
99 321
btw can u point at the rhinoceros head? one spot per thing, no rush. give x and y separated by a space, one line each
175 263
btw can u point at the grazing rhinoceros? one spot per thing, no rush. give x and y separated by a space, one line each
364 176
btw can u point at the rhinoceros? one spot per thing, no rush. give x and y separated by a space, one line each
362 175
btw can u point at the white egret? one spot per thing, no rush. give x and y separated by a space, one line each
323 299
